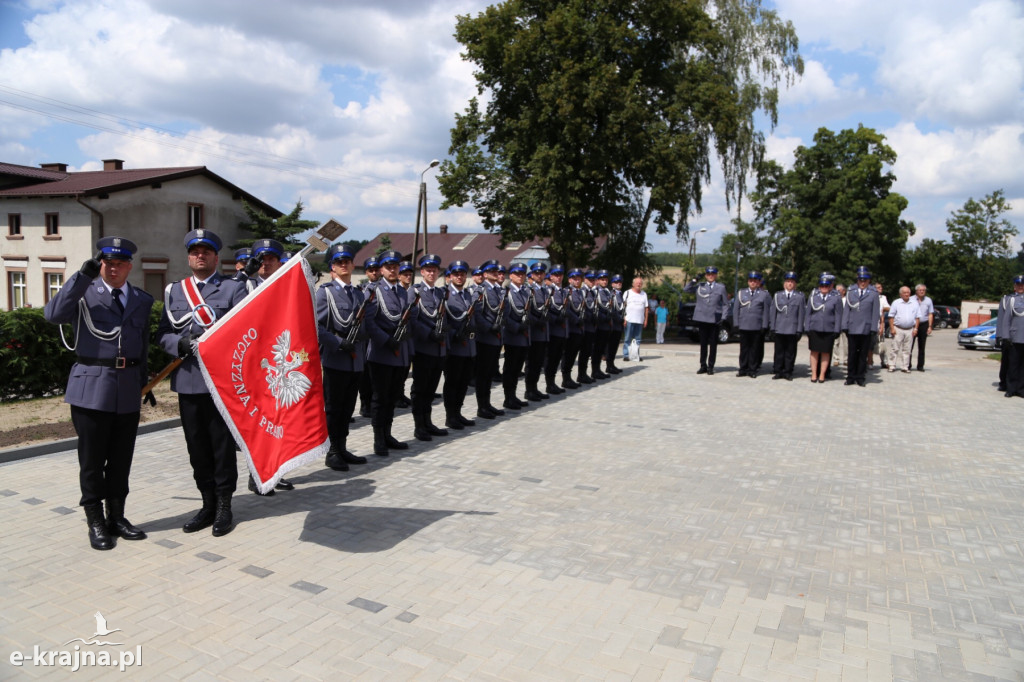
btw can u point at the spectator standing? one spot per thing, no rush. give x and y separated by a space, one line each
927 323
879 341
637 310
903 326
841 350
661 319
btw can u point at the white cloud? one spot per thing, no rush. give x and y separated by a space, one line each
813 87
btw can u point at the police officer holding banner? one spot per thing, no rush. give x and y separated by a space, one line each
339 316
111 327
190 306
711 307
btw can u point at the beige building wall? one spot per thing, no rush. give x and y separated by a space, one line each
155 217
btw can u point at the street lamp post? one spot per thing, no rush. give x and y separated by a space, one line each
421 214
736 282
693 247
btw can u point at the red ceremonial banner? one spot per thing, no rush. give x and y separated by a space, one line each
261 363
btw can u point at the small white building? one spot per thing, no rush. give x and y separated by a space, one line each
54 219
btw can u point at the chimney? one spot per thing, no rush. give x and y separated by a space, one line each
59 167
113 164
444 229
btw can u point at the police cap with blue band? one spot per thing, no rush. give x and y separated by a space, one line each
754 274
116 248
371 263
575 272
261 246
789 275
404 267
616 278
458 266
388 258
428 259
204 238
711 270
488 266
538 267
338 252
556 270
517 268
242 255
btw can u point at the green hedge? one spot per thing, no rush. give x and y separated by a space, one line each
34 362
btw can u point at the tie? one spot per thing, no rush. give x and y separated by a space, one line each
862 292
348 293
117 301
200 286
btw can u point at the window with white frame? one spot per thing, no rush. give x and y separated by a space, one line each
195 217
13 224
52 224
16 289
54 281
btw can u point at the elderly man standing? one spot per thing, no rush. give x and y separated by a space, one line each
904 316
712 305
926 315
637 309
103 390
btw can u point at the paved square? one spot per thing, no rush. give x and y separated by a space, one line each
661 525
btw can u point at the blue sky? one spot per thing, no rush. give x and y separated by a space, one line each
343 104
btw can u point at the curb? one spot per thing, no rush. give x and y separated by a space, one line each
27 451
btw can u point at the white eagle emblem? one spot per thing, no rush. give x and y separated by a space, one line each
286 383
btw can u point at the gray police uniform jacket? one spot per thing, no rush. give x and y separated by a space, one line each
487 313
538 314
603 296
712 301
461 344
333 323
786 315
618 310
426 322
862 312
589 309
382 321
574 311
750 312
558 327
517 323
95 387
220 293
824 314
1010 322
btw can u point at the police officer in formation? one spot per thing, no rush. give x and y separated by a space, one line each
589 291
709 311
111 327
786 320
460 360
558 329
823 324
603 330
1010 333
540 307
861 320
372 269
750 315
342 352
490 324
575 313
618 324
430 345
388 325
190 306
516 335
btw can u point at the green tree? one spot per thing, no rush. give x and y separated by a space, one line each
283 229
834 210
982 239
937 265
592 101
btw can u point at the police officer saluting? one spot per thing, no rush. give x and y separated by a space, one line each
111 321
342 352
712 305
190 306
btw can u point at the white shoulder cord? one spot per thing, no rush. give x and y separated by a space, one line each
83 314
340 321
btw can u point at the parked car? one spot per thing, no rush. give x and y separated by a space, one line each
687 326
979 337
947 316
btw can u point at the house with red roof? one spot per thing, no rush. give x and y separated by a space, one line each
54 218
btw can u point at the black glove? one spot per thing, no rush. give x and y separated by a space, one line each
150 398
252 266
347 346
185 346
91 267
392 343
435 337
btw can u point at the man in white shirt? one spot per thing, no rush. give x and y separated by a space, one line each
903 323
926 323
637 310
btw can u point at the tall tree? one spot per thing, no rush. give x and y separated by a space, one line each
592 101
982 239
834 210
282 229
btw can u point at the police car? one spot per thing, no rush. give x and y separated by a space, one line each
979 337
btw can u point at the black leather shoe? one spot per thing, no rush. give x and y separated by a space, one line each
349 458
600 375
612 369
1008 394
861 383
204 517
849 382
741 374
534 396
788 377
334 461
510 405
99 536
776 377
223 522
702 370
118 525
569 383
420 434
752 375
403 402
584 379
365 412
464 421
497 412
433 430
554 390
395 444
285 484
485 414
711 371
453 423
254 489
